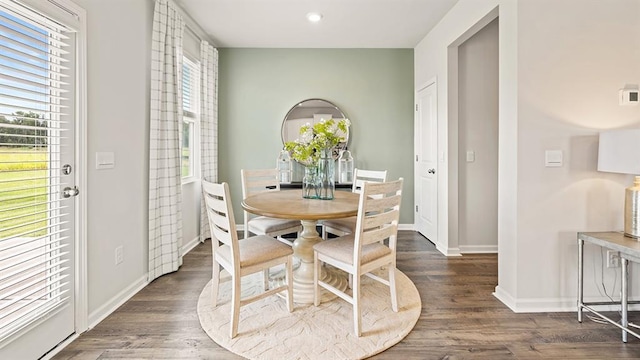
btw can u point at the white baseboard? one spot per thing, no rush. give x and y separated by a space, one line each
479 249
110 306
505 297
448 251
189 246
115 302
536 305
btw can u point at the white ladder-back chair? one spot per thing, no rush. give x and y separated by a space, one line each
364 251
257 181
240 258
345 226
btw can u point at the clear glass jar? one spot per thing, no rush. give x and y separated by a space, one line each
326 169
284 167
345 167
310 182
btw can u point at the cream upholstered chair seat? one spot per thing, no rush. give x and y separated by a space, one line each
365 250
255 250
345 226
241 258
257 181
267 225
342 250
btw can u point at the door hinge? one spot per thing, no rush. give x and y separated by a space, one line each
416 157
416 107
416 208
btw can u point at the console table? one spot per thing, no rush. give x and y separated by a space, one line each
629 249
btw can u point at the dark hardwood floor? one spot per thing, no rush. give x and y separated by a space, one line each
460 319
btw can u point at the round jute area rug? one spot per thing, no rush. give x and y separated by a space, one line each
268 331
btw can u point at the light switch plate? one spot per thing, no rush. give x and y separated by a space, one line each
553 158
471 156
105 160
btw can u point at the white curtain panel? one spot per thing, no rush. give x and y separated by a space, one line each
208 125
165 195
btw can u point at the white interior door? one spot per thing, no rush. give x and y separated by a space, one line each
426 181
37 181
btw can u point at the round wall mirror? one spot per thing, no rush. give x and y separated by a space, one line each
311 111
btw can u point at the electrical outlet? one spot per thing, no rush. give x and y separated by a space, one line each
613 259
119 255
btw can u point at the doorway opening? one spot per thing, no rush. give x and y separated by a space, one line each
472 136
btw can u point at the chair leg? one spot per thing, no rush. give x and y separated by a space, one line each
235 305
356 306
289 279
392 288
215 283
265 279
316 277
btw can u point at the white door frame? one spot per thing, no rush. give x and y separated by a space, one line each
433 235
82 289
449 180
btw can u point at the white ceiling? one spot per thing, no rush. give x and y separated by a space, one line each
345 23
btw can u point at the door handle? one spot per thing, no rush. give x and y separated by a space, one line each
70 191
431 171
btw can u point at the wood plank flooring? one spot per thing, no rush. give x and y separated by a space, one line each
460 319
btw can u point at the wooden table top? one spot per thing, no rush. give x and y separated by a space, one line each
289 204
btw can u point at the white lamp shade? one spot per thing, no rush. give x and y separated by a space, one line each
619 151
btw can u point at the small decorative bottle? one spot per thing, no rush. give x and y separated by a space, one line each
345 167
284 167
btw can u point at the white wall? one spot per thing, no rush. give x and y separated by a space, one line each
118 62
571 66
558 81
478 133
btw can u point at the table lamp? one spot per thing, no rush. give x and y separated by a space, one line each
619 152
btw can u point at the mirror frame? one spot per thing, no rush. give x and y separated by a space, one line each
336 150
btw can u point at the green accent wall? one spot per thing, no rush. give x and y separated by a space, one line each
373 87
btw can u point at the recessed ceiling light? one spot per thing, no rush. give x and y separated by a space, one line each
314 17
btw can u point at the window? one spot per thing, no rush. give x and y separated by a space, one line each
191 117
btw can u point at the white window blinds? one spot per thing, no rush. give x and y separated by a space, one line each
190 88
191 108
35 67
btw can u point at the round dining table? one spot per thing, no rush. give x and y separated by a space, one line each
289 204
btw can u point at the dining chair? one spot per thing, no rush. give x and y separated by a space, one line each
241 258
364 250
345 226
256 181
